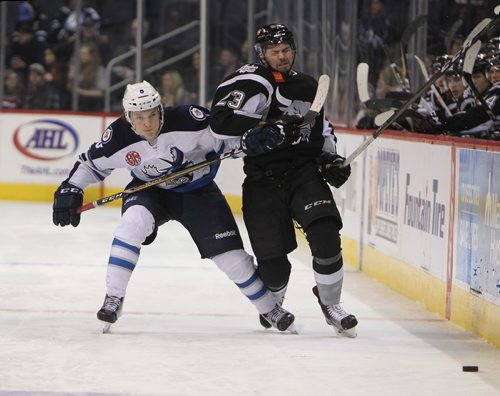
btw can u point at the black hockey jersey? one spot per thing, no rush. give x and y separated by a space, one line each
476 119
184 140
254 93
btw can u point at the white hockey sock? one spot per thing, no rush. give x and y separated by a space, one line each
136 224
238 265
122 261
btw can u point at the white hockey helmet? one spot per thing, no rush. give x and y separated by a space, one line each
139 97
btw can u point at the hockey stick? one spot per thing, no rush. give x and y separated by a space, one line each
468 67
412 28
362 82
451 33
155 182
314 110
433 87
481 28
383 117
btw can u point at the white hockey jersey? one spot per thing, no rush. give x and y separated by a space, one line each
185 139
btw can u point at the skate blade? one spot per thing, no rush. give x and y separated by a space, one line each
106 328
292 329
351 333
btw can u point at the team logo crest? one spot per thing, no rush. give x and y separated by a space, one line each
106 136
197 113
133 158
248 69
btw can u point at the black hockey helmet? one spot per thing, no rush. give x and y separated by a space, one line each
274 33
481 65
492 47
439 62
455 70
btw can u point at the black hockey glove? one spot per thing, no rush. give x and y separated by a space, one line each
330 167
262 139
67 199
291 124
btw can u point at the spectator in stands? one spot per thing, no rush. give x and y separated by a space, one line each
229 61
150 56
91 80
456 44
373 35
387 82
192 77
25 50
90 34
172 89
40 94
56 73
64 28
13 90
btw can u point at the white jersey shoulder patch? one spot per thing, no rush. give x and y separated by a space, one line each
106 136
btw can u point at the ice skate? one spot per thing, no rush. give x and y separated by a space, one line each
280 319
110 311
279 296
335 316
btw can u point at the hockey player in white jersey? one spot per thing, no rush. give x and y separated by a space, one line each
152 141
287 169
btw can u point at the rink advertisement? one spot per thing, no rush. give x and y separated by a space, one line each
42 148
477 235
408 203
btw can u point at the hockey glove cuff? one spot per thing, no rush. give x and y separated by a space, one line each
331 168
67 199
262 139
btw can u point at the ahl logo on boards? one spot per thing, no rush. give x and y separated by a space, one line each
46 140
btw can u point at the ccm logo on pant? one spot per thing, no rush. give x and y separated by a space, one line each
317 203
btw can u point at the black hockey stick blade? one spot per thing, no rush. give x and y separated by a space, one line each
412 28
481 28
419 21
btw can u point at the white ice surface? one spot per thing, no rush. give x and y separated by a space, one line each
186 329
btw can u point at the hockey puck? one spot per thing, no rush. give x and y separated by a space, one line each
470 369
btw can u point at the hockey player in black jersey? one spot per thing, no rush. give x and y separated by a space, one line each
475 121
287 169
152 141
